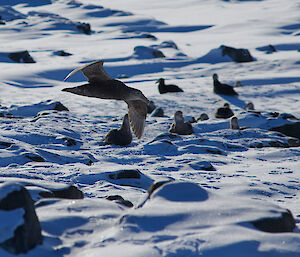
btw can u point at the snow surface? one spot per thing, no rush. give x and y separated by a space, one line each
224 179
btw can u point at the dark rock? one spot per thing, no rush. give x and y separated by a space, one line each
69 141
158 112
27 235
284 223
202 165
5 144
23 56
34 157
292 130
287 116
61 53
144 52
120 199
237 54
274 114
146 35
168 44
70 192
84 27
125 174
60 107
156 185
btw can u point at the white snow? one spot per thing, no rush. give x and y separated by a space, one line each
223 179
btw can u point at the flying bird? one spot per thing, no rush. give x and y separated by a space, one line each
101 85
221 88
163 88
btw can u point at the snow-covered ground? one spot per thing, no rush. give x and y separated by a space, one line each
223 179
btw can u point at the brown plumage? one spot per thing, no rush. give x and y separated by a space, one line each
101 85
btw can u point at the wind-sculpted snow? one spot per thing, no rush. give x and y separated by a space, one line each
218 191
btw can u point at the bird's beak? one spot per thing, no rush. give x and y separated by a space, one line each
157 81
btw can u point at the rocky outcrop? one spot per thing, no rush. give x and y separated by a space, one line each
237 54
27 235
284 223
22 56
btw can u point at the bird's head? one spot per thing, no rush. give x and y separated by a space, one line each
178 116
215 76
161 80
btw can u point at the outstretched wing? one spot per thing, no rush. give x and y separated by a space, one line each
137 112
92 71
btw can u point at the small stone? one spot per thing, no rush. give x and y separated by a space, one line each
125 174
284 223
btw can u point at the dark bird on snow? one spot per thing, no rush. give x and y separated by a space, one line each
101 85
179 126
221 88
224 112
234 123
121 136
163 88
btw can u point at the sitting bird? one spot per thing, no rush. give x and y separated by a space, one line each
222 89
121 136
224 112
101 85
163 88
234 123
179 126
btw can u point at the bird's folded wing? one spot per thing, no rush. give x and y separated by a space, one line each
137 112
93 70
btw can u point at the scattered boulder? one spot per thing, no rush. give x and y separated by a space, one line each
84 27
28 234
34 157
292 130
237 54
144 52
287 116
158 112
202 165
125 174
61 53
60 107
284 223
22 56
120 199
156 185
70 192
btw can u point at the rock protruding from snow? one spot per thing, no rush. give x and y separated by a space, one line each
70 192
22 56
28 232
284 223
237 54
119 199
292 130
158 112
144 52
